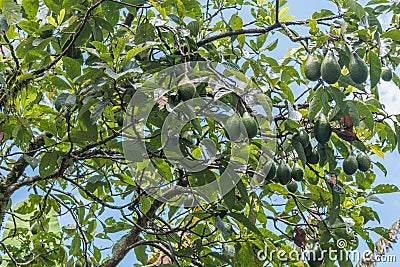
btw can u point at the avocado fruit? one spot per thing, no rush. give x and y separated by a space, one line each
232 127
314 157
330 68
314 257
34 228
297 172
292 187
302 137
312 67
270 170
308 150
250 124
350 164
358 69
386 74
186 91
283 173
322 129
363 161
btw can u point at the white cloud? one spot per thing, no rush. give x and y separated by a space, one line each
389 95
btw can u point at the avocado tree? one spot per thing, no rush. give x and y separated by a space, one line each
293 141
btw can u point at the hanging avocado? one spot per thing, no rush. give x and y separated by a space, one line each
270 170
350 164
250 125
330 68
315 257
186 91
312 67
292 187
386 74
358 69
302 137
297 172
364 162
322 129
232 127
283 173
314 157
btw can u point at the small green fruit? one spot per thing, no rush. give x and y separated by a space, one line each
78 264
34 228
186 91
322 129
312 67
314 157
46 34
350 164
232 127
314 257
270 170
364 162
250 125
330 68
120 120
386 74
302 137
358 69
297 172
283 173
292 187
308 150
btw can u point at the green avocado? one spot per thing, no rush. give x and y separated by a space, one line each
302 137
314 257
78 264
250 125
34 228
330 68
270 170
314 157
297 172
292 187
186 91
46 34
358 69
350 164
364 162
308 150
386 74
322 129
232 127
283 173
312 67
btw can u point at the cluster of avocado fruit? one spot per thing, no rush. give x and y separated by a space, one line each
330 70
289 176
233 126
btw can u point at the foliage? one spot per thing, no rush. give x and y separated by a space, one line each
68 71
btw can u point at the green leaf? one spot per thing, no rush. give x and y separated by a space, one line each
140 253
111 12
144 33
335 208
98 110
31 7
236 22
316 104
355 7
11 11
300 152
48 163
365 114
375 68
72 67
392 34
384 189
246 222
